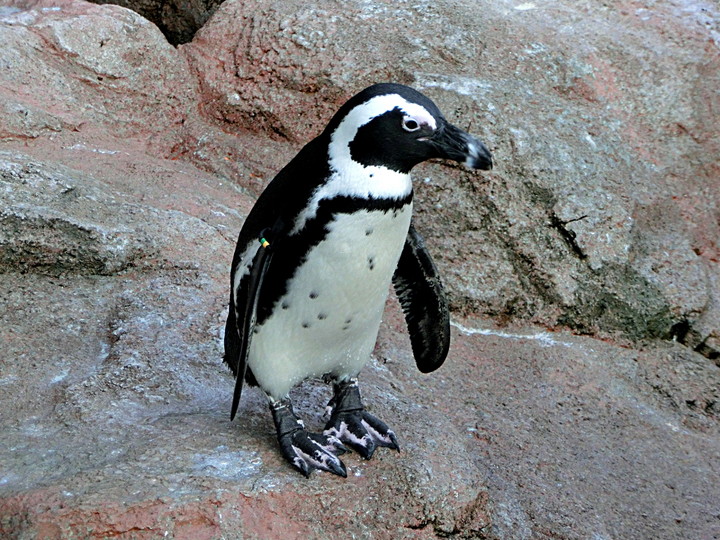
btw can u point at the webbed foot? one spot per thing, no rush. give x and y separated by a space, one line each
352 424
304 450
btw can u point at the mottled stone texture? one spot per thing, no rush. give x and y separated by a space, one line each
581 395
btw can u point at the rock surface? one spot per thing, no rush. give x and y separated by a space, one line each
178 19
127 166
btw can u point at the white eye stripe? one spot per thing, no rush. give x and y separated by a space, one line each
364 113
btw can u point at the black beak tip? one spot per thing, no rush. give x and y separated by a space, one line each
483 163
479 157
457 145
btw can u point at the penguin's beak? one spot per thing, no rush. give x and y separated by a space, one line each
453 143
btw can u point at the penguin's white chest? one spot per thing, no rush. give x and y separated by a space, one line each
329 318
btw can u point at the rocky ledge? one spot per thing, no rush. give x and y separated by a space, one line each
581 398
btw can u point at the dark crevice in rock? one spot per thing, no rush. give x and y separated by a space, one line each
525 268
178 20
684 333
708 352
545 197
430 523
568 235
679 331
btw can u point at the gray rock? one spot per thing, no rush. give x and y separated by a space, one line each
53 223
78 66
122 198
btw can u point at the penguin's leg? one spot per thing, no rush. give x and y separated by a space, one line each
305 451
353 425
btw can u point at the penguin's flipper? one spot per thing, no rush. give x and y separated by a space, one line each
418 287
246 316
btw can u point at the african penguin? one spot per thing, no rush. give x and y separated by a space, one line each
315 260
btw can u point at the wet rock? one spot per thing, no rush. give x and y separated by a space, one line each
122 199
609 417
520 433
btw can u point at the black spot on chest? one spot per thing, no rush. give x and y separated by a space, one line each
290 252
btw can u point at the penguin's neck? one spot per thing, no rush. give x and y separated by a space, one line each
367 186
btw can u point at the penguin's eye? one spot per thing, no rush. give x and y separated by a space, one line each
410 124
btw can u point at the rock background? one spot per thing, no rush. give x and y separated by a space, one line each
581 398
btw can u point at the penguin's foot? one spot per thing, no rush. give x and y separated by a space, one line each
353 425
306 451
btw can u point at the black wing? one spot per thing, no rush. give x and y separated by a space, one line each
237 339
418 287
242 312
275 210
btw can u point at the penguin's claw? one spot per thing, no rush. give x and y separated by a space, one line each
304 450
361 431
310 451
353 425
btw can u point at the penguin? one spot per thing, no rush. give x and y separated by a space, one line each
315 259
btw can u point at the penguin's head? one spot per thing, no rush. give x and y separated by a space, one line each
396 127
